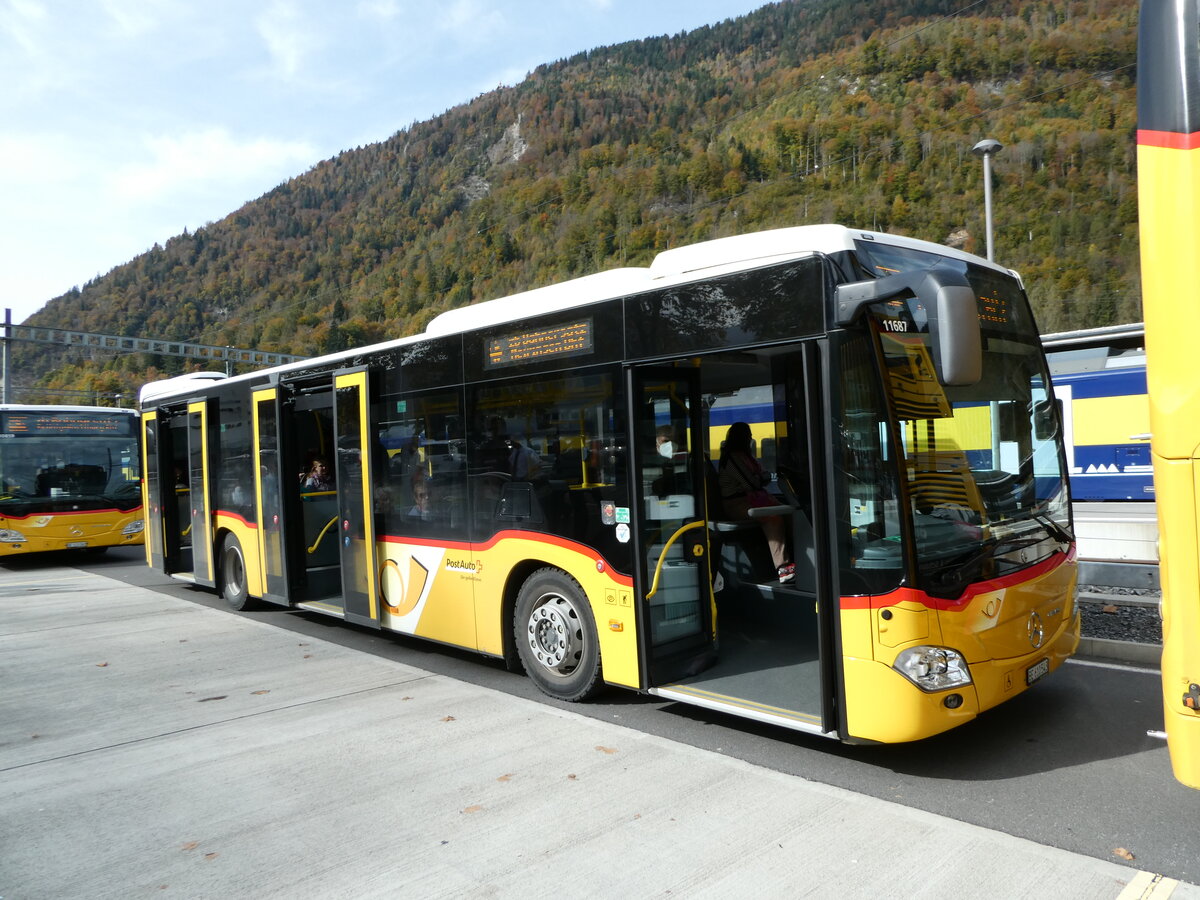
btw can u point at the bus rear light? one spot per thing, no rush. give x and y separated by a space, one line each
933 668
9 536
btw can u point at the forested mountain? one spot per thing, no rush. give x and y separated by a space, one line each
801 112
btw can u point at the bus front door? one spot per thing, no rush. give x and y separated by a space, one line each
153 498
669 519
771 647
268 486
178 490
353 443
200 522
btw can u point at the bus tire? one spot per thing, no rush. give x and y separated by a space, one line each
235 587
556 636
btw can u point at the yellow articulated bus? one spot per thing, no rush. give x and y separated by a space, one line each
1169 223
548 478
70 478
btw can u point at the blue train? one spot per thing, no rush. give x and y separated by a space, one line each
1099 375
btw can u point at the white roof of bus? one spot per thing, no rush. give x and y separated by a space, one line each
677 266
179 384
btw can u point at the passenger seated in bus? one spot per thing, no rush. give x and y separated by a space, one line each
524 464
318 476
420 508
743 487
495 448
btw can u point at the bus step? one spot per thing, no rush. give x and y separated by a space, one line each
189 577
323 606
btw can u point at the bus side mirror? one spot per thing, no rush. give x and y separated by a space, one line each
1046 416
954 329
953 316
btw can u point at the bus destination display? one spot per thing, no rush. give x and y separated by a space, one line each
574 339
15 424
993 308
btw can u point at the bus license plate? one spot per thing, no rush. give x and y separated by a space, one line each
1036 671
75 545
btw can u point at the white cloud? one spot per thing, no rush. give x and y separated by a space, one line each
469 18
133 19
21 21
78 209
289 40
183 163
384 10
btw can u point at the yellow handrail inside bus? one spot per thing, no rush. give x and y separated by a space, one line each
662 557
317 542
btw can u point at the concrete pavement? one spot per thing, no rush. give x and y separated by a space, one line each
151 746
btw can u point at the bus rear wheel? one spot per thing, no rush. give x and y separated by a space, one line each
556 636
234 586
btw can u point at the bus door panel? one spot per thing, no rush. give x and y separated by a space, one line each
353 443
174 491
675 612
152 492
808 470
199 506
268 484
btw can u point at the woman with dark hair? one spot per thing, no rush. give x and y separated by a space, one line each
743 487
318 477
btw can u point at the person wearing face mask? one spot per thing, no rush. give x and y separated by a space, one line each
674 478
664 438
743 487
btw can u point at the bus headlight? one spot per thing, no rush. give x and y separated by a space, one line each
933 668
9 536
134 527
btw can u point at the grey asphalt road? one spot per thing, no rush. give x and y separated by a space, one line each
1072 764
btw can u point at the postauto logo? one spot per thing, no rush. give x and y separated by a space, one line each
463 565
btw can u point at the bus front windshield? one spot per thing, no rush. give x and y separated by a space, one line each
51 461
984 487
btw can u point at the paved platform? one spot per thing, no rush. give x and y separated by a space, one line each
154 747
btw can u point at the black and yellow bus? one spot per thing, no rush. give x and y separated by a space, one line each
539 478
70 478
1169 224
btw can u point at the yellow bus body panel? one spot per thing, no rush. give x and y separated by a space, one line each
990 628
56 531
455 594
1169 205
247 536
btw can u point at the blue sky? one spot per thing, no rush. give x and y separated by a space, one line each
122 122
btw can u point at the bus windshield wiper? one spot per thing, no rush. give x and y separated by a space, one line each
961 569
1060 534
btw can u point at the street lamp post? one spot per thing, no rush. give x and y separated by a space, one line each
986 148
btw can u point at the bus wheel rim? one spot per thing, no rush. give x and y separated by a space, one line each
552 631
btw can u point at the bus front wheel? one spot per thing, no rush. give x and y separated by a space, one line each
234 586
556 636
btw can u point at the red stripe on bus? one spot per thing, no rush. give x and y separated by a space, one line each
602 565
912 595
224 513
1171 140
